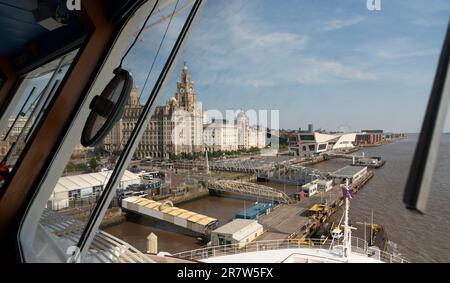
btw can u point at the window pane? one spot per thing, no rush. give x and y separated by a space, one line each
270 110
86 174
33 97
345 81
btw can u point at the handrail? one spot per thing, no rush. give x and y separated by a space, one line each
359 246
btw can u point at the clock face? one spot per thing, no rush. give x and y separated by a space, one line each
181 90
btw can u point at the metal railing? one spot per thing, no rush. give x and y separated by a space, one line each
359 246
247 188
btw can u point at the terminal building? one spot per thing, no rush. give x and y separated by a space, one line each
85 186
255 211
238 231
352 173
370 137
315 143
317 186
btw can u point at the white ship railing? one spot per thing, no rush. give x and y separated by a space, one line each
105 248
359 246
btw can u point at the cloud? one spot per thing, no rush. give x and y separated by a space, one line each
245 50
340 24
253 52
326 71
236 81
278 38
401 54
428 22
396 49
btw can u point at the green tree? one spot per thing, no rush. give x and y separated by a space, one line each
93 164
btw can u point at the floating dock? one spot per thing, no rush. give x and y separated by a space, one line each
193 221
255 211
302 219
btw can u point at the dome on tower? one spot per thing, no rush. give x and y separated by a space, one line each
185 73
173 101
134 97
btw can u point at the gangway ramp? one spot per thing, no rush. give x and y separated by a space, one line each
167 212
249 189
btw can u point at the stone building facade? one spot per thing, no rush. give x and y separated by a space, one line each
180 126
174 128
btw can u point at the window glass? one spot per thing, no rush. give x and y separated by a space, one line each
255 90
356 79
85 176
30 103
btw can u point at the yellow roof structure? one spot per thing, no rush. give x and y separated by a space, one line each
318 208
205 221
174 211
187 214
153 205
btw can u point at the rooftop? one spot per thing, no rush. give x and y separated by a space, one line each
84 181
170 210
348 171
234 226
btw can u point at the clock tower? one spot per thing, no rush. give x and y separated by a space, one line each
185 95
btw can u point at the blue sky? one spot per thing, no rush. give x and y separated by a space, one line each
332 63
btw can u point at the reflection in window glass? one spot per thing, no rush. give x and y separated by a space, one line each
33 97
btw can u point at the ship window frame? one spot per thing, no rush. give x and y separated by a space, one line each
3 79
25 235
134 139
29 223
420 158
419 182
17 94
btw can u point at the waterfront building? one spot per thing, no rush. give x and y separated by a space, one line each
323 185
344 142
180 126
316 143
243 130
239 232
290 137
85 186
18 127
223 135
249 136
310 189
393 136
370 137
173 128
257 137
350 173
317 186
220 135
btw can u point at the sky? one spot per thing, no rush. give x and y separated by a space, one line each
331 63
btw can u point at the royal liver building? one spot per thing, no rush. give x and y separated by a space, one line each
180 126
174 128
